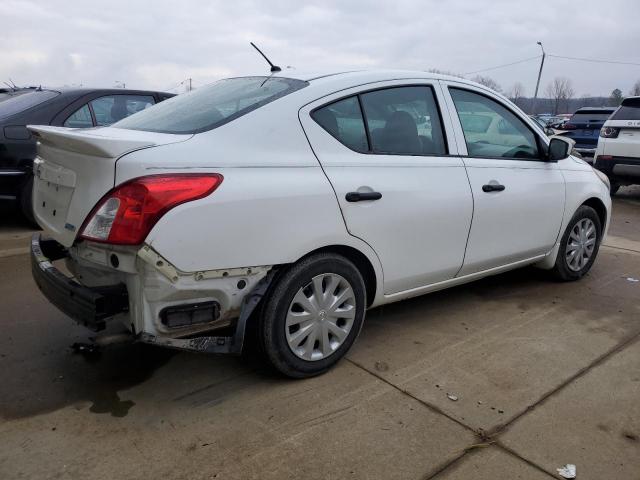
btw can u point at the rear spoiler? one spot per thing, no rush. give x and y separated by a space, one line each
88 142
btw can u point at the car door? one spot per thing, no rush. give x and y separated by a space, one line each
385 153
518 195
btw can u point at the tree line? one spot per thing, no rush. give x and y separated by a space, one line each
558 96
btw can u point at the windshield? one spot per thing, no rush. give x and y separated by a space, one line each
20 103
209 107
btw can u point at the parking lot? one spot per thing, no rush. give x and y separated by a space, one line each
513 376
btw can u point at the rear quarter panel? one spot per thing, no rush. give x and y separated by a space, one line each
274 205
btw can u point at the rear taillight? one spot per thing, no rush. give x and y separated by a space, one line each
568 126
126 214
609 132
605 158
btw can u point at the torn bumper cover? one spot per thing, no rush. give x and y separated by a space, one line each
88 306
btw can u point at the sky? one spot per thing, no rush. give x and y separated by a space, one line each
158 44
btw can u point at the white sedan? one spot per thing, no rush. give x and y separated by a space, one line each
293 205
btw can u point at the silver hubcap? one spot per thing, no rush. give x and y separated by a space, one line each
320 317
581 244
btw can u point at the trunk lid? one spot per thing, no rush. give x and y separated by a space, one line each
74 168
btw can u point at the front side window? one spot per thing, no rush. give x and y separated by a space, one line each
343 119
212 106
403 120
491 130
81 118
113 108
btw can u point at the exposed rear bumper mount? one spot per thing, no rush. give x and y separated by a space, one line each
217 344
88 306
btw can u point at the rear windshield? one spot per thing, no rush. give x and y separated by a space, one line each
587 116
629 110
209 107
20 103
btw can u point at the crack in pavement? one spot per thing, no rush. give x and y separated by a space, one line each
491 435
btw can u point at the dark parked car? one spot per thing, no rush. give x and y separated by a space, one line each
584 127
75 108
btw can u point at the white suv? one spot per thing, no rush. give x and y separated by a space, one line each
296 204
618 152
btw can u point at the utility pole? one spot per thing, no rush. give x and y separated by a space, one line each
535 96
189 84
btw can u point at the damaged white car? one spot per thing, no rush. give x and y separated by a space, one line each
299 203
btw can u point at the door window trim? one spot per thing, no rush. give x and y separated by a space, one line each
88 105
541 145
430 86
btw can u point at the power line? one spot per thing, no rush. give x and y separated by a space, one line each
504 65
594 60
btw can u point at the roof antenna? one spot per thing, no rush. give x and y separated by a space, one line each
274 68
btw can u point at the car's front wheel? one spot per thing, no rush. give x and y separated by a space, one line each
579 245
312 315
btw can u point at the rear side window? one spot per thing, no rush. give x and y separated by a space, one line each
113 108
395 121
212 106
629 110
80 119
404 121
343 119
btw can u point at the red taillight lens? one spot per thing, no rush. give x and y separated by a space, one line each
126 215
568 126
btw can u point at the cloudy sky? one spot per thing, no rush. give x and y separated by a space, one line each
158 44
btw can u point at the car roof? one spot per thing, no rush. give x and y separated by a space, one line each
595 109
109 91
333 81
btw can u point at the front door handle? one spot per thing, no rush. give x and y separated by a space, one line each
362 196
492 187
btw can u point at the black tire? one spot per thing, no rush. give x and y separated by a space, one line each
561 269
272 324
614 188
26 202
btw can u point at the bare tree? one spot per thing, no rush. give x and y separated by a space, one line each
560 91
635 90
487 82
615 99
516 93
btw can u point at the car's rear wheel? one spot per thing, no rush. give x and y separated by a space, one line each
579 245
312 315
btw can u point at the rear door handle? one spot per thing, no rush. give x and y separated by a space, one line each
492 187
362 196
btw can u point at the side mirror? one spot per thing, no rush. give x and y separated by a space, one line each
559 148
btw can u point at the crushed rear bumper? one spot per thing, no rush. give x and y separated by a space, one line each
87 306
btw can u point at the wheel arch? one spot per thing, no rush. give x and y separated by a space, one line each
600 208
362 263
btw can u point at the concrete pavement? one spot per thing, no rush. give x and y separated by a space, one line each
544 374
